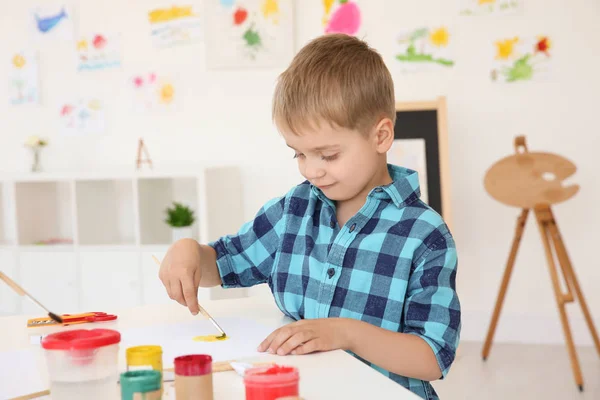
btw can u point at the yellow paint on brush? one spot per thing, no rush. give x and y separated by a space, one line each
210 338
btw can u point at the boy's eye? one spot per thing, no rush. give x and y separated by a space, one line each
297 155
330 158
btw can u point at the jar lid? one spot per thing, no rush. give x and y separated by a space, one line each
141 381
193 365
274 375
81 339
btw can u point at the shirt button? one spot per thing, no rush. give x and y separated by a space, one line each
331 272
378 190
352 227
332 224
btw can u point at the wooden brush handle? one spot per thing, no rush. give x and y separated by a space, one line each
224 366
12 284
33 395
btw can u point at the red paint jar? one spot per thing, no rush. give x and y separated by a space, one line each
193 377
271 383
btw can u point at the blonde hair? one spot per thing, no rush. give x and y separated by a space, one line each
338 79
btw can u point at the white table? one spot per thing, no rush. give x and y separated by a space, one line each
330 375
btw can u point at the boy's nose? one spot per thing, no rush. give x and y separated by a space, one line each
314 172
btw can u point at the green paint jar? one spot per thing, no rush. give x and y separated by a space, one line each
141 385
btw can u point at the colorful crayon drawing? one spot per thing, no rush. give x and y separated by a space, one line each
52 21
490 7
521 59
23 82
345 18
411 154
425 48
258 33
152 92
98 52
82 117
173 25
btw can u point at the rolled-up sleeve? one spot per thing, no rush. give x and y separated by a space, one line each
246 258
432 308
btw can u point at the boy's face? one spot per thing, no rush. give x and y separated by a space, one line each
340 161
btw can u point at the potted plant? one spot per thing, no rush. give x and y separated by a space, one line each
36 144
180 217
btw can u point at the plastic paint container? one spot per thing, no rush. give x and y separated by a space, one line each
141 385
193 377
83 364
271 383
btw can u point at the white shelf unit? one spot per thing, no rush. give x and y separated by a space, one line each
113 222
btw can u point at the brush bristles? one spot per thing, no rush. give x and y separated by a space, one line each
55 317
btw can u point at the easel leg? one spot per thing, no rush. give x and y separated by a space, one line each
505 279
544 217
563 256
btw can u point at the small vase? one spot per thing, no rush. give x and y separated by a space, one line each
36 165
181 233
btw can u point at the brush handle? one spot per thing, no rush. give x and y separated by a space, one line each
13 285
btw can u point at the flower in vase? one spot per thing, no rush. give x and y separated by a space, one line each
35 141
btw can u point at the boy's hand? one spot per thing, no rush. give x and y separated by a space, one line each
180 273
309 335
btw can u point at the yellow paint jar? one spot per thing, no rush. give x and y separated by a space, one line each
144 357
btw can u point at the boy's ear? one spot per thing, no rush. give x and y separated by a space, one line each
384 135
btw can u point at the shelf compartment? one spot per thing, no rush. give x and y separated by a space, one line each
44 212
105 214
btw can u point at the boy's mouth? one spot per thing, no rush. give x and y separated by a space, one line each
323 187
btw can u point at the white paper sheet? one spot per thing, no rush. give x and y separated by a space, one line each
19 374
177 339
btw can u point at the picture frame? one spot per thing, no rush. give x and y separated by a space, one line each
421 144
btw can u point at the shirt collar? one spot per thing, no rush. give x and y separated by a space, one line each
403 190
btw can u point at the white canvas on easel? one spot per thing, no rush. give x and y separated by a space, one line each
249 34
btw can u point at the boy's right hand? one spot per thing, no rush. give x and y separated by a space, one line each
180 273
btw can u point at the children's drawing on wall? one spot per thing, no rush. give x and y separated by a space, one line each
521 59
490 7
425 49
23 79
152 92
82 117
98 52
252 33
53 21
341 16
175 24
411 154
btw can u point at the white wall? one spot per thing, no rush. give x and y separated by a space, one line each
225 117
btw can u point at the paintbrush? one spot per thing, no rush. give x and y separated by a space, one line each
21 292
203 311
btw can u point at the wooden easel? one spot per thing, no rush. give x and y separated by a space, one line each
522 181
139 161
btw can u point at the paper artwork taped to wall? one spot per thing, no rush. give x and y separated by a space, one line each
251 33
490 7
172 25
152 92
425 49
518 59
23 85
411 154
82 117
341 16
96 52
51 20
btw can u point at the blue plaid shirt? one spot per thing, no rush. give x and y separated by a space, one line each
393 264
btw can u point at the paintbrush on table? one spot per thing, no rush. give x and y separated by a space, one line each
203 311
21 292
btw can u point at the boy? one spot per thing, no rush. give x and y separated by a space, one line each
352 254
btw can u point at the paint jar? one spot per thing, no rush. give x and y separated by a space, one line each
83 363
271 383
141 385
144 358
193 377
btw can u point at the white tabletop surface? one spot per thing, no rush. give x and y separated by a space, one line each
330 375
